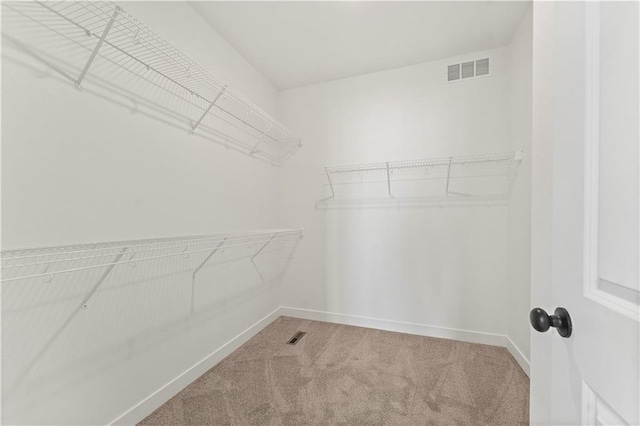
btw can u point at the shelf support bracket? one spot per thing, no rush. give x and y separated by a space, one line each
193 276
448 175
103 277
389 181
97 48
262 138
254 150
333 194
260 251
293 251
263 246
193 128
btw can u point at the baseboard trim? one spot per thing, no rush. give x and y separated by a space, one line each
148 405
412 328
517 354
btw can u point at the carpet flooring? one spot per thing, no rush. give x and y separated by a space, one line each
343 375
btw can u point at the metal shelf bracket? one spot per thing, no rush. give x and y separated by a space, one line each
103 277
193 277
260 251
388 181
193 128
448 175
97 48
333 194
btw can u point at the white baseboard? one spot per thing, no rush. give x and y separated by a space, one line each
145 407
518 355
412 328
148 405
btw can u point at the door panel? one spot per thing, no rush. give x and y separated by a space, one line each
593 206
596 411
611 139
612 216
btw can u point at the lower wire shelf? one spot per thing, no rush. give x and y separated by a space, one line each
53 297
49 263
469 179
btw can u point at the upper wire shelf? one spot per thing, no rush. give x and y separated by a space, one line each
471 178
101 42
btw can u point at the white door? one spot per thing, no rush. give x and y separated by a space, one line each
586 217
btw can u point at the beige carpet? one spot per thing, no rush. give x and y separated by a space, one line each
342 375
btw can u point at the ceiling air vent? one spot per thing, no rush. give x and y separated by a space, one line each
469 69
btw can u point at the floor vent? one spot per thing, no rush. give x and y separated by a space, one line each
296 338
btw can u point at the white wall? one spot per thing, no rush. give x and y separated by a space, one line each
439 266
79 169
519 65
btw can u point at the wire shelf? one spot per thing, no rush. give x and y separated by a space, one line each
53 294
468 178
101 43
50 262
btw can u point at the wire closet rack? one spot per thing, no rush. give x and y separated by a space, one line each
471 178
52 293
100 43
99 259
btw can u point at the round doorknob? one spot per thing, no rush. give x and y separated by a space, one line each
561 320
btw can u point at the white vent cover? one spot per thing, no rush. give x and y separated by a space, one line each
453 72
482 67
469 69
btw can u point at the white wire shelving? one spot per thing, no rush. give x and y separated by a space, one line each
48 263
84 268
50 292
471 178
101 44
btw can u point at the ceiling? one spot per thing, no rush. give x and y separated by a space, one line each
300 43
